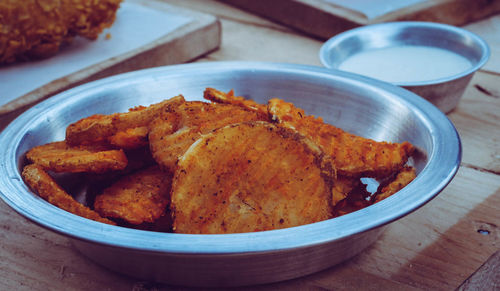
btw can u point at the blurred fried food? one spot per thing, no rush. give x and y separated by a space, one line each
352 155
268 178
173 132
32 29
43 184
136 198
60 157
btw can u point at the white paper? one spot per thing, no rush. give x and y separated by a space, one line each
135 26
374 8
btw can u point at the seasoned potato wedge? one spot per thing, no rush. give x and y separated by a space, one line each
352 155
229 98
100 128
136 198
226 166
130 138
45 186
248 177
60 157
172 133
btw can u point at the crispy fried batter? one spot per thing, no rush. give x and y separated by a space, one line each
37 28
172 133
43 184
136 198
130 138
138 159
60 157
118 128
403 178
229 98
268 178
352 155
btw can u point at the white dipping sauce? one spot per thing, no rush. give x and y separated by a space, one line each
403 64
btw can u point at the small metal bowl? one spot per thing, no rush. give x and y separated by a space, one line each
444 92
362 106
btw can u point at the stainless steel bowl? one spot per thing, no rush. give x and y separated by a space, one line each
363 106
444 92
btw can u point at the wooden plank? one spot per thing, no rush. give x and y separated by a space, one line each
439 245
489 30
33 258
251 38
477 119
225 11
322 19
200 36
485 278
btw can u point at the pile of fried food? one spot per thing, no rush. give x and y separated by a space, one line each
226 166
31 29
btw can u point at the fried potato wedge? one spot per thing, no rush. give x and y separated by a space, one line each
130 138
136 198
100 128
403 178
246 177
171 134
60 157
217 96
45 186
352 155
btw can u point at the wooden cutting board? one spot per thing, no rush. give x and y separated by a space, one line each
323 19
195 34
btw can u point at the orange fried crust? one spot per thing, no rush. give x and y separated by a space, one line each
352 155
171 134
136 198
229 98
60 157
126 130
130 138
43 184
249 177
37 28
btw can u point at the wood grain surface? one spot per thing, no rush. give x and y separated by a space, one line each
451 242
486 277
322 19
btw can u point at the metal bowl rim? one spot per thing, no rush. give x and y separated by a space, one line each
399 26
442 161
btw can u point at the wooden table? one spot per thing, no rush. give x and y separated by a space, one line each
451 242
